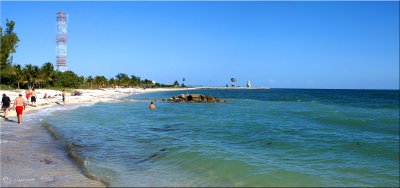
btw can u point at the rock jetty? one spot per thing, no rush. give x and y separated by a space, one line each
194 98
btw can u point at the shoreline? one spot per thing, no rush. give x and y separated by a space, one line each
31 156
88 96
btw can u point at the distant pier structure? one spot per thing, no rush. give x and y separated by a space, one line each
61 41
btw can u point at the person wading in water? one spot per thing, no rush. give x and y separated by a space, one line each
152 106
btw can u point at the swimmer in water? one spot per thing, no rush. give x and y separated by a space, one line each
152 106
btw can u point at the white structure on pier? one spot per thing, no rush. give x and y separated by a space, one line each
248 83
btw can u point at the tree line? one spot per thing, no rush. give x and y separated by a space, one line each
33 76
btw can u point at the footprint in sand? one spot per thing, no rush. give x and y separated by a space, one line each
46 161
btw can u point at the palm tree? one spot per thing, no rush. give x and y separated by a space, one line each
100 81
233 80
18 75
122 79
111 81
176 84
135 80
89 80
48 73
29 74
37 79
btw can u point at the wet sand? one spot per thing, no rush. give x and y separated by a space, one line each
30 157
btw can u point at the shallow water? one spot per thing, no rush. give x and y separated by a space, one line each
277 137
31 158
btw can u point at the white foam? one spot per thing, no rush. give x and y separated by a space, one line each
38 116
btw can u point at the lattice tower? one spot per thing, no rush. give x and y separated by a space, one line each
61 41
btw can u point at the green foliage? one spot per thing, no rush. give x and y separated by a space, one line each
48 74
29 74
33 76
100 81
68 79
6 87
9 41
122 79
18 76
89 81
176 84
135 80
112 82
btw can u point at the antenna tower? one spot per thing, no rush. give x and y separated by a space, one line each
61 41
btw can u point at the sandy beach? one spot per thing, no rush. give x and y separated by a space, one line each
88 96
32 157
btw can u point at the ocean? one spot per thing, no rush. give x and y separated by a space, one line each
277 137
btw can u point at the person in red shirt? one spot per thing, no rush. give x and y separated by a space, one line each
28 94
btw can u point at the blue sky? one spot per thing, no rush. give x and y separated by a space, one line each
273 44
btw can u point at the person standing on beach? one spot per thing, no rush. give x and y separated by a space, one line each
33 97
5 104
28 94
19 105
63 96
152 106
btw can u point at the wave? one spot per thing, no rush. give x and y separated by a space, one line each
49 111
81 161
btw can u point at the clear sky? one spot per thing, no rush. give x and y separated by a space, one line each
273 44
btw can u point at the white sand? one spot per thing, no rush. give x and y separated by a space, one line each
31 157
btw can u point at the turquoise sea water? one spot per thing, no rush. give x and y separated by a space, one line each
277 137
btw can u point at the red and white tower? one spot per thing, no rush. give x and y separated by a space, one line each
61 41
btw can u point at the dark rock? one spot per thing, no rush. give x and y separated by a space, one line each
221 100
77 93
195 98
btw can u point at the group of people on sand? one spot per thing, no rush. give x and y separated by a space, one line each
32 95
20 103
19 106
